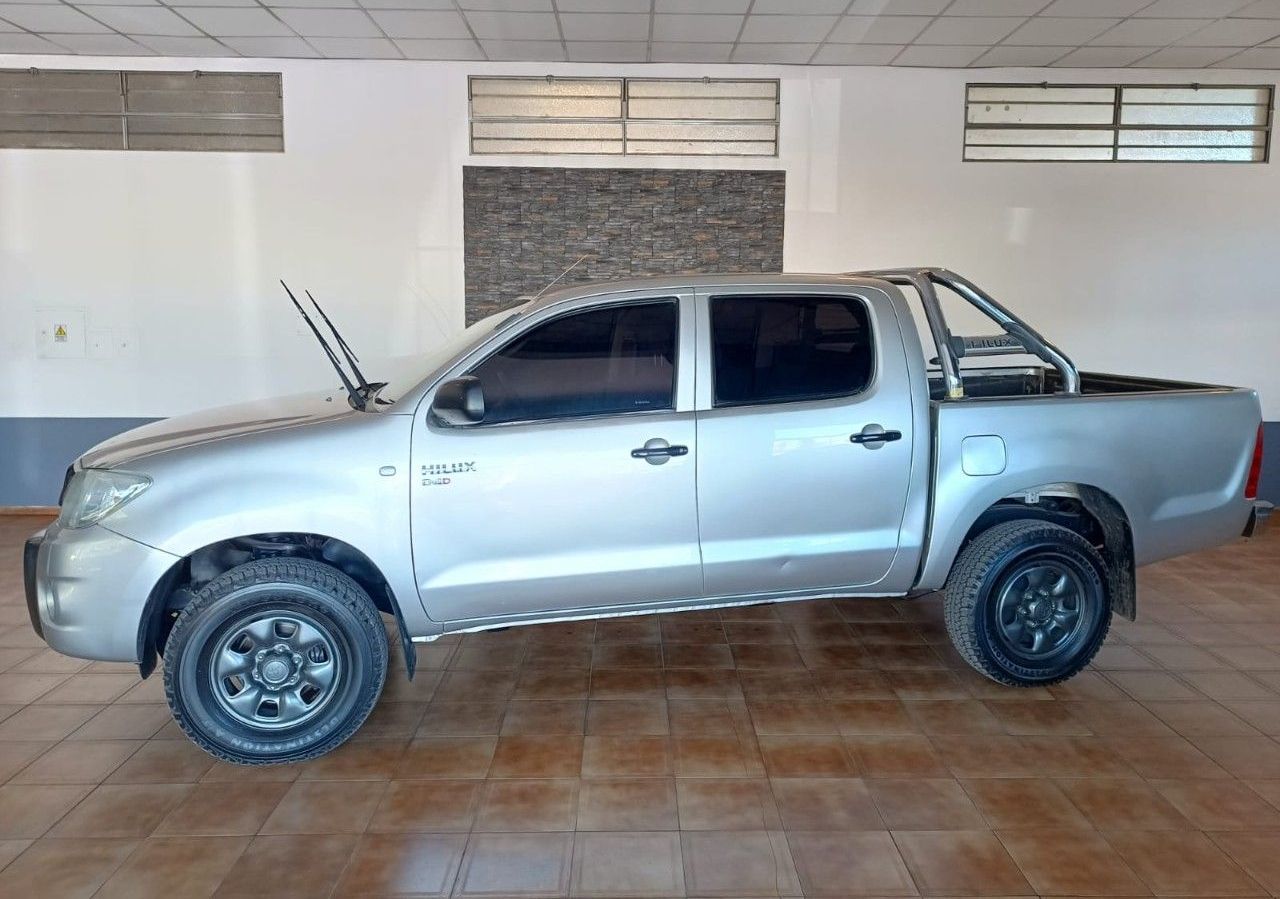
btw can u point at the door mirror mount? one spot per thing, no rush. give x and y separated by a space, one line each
459 402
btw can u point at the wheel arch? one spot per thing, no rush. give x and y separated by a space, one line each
174 589
1094 513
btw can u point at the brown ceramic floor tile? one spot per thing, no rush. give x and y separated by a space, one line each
857 717
1165 757
700 717
708 683
632 804
849 864
72 763
456 719
726 804
1078 863
627 683
697 655
223 809
419 865
1024 803
427 805
826 804
63 868
1213 805
627 716
164 761
626 655
553 683
627 864
1182 863
1244 757
1256 853
920 803
806 756
956 717
28 811
1263 715
17 755
288 867
618 756
896 756
167 867
448 757
124 810
1037 718
124 722
738 863
545 716
1122 804
516 864
527 805
325 807
960 862
46 722
710 757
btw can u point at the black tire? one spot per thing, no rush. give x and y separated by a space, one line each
994 605
341 642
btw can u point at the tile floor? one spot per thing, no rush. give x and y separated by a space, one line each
821 749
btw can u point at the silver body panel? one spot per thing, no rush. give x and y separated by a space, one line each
488 525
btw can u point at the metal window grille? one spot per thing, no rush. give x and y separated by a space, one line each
107 110
1118 123
624 116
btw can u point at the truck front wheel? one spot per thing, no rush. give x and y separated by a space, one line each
276 660
1027 603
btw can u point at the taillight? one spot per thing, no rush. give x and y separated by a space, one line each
1255 470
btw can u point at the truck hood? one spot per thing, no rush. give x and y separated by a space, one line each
216 424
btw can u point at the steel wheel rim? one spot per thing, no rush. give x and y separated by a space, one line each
1041 609
274 670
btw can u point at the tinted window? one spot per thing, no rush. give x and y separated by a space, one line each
773 349
606 361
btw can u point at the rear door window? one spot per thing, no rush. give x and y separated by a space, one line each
776 349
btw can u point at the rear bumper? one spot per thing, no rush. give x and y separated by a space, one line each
87 587
1258 517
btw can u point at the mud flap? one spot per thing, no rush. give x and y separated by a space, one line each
1117 551
406 642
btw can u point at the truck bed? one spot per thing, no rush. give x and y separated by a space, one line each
1031 380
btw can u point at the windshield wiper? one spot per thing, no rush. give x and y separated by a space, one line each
358 398
367 390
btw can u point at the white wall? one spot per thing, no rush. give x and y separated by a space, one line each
1149 269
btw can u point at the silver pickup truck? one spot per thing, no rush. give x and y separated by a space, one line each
639 447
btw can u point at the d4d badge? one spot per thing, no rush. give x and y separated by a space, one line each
436 474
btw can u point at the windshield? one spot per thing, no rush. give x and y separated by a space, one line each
406 372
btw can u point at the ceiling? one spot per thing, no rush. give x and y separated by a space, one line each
958 33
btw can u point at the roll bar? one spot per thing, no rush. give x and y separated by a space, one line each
1018 337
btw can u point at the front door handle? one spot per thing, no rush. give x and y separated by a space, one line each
656 451
874 436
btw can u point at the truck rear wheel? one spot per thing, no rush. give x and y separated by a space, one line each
276 660
1027 603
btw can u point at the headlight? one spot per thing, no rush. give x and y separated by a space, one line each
95 493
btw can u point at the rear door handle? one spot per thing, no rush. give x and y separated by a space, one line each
874 436
656 451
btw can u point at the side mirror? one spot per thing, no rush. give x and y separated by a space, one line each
459 402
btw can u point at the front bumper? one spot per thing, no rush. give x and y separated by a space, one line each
1258 517
87 588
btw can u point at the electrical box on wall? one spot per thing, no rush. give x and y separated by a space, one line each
60 333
